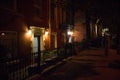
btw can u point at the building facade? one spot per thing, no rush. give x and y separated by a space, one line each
30 26
22 26
38 25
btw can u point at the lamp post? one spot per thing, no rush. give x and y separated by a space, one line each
69 33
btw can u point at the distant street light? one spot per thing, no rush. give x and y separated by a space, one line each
70 33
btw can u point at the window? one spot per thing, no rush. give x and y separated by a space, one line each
8 39
52 9
37 12
38 5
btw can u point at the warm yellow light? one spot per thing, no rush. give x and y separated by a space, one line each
70 32
29 32
46 32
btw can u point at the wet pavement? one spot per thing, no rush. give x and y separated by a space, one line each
86 65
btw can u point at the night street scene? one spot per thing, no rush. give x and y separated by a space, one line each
59 40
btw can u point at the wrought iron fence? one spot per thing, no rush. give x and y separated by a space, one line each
16 68
19 68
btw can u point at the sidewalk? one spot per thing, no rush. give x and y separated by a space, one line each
106 67
87 65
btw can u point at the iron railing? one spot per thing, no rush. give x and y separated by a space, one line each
21 67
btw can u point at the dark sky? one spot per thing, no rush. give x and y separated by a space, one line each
108 10
99 6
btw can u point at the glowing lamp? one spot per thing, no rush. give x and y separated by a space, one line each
70 32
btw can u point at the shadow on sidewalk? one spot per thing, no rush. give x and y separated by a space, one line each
71 71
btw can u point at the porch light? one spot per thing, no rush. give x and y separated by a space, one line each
46 32
29 32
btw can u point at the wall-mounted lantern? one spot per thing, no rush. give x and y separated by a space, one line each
46 32
29 31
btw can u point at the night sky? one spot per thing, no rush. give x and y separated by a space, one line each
107 10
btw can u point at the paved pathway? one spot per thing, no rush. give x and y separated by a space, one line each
86 65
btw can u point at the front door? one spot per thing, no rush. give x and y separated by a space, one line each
36 49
